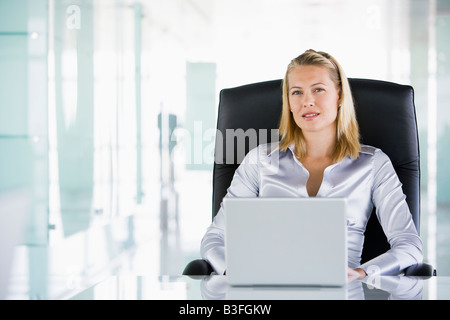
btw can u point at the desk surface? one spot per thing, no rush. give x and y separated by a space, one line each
132 287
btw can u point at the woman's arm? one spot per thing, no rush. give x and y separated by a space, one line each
395 218
245 183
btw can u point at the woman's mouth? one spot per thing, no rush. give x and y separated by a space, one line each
310 116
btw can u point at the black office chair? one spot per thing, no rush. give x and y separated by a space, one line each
387 120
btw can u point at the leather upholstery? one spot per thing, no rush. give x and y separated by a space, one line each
387 120
385 113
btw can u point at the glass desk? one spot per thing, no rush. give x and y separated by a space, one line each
215 287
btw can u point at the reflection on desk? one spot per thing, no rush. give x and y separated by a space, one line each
215 287
391 287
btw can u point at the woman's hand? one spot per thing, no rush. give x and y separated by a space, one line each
355 274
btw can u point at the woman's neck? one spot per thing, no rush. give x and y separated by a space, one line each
319 145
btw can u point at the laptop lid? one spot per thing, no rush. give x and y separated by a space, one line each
286 241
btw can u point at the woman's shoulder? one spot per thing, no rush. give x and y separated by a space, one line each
264 152
368 151
265 149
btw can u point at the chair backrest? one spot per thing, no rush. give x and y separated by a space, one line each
387 120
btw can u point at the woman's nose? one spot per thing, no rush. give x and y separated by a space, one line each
308 100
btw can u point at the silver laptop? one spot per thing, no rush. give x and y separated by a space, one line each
286 241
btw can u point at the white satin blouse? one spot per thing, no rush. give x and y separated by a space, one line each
368 181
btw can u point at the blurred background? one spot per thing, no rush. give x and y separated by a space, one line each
108 114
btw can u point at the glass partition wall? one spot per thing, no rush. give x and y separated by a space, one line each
108 114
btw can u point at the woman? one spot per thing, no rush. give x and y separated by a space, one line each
319 155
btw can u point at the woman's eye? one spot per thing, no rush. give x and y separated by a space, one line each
296 92
318 90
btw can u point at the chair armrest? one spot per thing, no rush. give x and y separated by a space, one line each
420 270
198 267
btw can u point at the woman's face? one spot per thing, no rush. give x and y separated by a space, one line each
313 99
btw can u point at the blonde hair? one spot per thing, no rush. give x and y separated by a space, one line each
347 135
